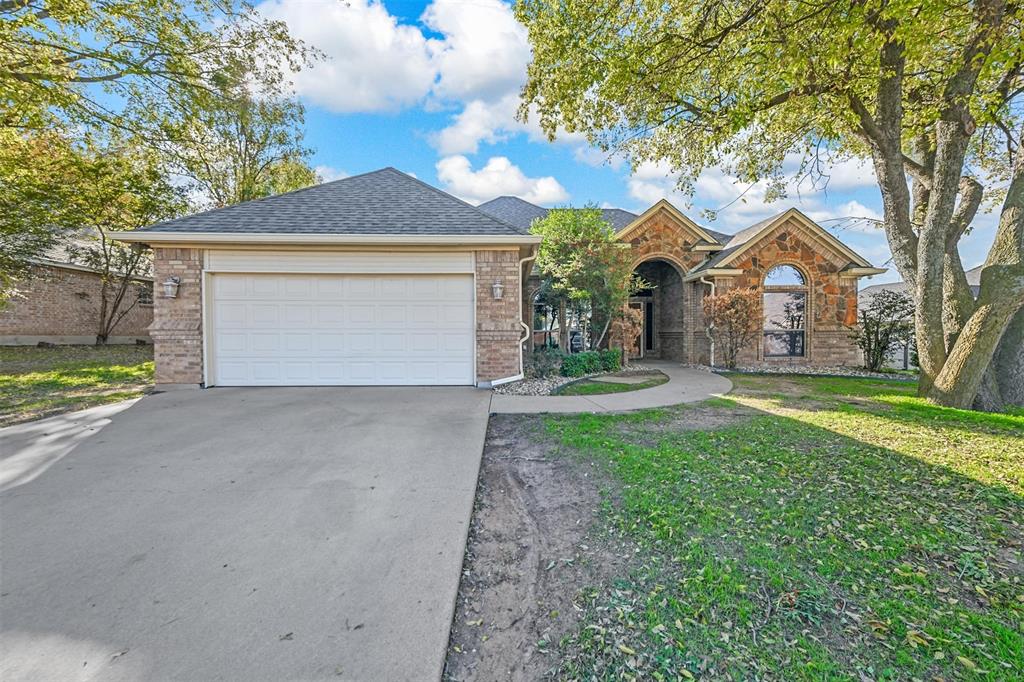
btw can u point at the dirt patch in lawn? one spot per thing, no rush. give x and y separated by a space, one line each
530 554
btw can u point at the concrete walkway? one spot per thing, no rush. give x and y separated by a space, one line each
239 534
684 386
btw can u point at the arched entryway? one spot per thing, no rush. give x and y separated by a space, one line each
663 336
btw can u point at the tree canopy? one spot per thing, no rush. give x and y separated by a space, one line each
929 91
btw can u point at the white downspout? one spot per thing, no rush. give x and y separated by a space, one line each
526 328
711 337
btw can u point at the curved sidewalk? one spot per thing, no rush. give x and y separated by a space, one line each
684 385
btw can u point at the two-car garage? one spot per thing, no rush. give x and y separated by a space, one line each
306 319
372 280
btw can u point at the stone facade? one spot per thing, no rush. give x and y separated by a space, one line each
498 330
61 305
832 298
177 329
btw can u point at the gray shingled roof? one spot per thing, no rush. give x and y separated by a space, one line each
384 202
735 241
522 213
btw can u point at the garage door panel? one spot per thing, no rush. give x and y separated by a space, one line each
278 329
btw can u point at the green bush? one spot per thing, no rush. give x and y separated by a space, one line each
611 360
590 362
543 363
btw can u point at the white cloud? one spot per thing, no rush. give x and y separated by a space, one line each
329 173
479 122
484 51
373 63
497 178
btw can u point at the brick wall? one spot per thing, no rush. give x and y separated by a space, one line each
177 322
497 321
62 305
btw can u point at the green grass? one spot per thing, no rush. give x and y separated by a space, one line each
836 529
594 387
41 382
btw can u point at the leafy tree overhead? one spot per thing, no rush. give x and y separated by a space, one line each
115 63
240 140
930 92
585 262
885 323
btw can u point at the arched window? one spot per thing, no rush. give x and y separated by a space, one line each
784 306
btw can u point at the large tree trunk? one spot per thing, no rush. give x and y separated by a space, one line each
1000 299
1009 362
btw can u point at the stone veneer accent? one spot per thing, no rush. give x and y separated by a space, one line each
662 237
61 305
177 329
497 321
832 298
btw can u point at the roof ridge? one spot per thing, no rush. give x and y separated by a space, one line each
436 190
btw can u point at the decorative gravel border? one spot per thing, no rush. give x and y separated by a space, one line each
548 385
815 371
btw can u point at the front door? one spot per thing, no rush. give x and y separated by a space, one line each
647 336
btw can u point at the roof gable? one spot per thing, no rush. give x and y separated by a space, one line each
663 206
745 239
382 202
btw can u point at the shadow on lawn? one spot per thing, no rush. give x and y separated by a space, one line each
851 543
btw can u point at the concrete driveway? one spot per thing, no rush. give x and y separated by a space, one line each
242 534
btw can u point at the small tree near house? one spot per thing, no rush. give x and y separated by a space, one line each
119 187
584 262
885 322
733 317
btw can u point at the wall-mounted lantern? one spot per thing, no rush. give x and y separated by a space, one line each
171 285
498 289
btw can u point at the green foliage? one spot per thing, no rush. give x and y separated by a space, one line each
545 362
807 528
242 139
741 85
58 192
123 63
39 382
584 262
591 362
885 322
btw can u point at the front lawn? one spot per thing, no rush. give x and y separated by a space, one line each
596 386
41 382
804 528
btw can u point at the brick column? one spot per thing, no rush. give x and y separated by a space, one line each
497 321
177 329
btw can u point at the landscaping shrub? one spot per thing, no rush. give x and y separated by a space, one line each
611 360
589 362
543 363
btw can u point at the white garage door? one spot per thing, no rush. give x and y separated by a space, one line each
347 330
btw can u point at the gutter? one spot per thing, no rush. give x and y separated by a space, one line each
707 331
156 237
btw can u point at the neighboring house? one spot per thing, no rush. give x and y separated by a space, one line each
807 276
58 303
901 357
381 279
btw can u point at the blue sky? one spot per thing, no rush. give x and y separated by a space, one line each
431 88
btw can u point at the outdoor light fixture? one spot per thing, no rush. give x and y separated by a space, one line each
171 285
498 289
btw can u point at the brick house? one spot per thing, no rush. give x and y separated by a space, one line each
381 279
57 303
807 278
